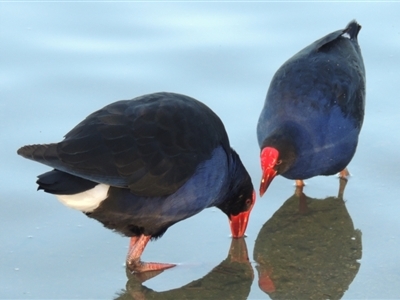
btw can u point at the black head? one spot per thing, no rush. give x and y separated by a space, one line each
278 154
286 153
240 198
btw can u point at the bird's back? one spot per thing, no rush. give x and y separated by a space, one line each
320 92
151 144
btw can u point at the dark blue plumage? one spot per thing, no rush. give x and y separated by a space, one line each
139 166
314 109
133 215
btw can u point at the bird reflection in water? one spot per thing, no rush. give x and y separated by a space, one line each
308 255
231 279
303 206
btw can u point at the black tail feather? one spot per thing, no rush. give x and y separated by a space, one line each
61 183
39 153
352 29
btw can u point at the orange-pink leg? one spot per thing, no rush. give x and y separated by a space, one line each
132 242
133 262
344 173
299 183
343 177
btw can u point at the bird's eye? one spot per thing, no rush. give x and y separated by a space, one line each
278 162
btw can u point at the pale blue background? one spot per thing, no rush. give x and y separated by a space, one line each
61 61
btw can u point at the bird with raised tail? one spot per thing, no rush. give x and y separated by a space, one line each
139 166
314 110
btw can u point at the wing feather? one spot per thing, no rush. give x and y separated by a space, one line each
151 144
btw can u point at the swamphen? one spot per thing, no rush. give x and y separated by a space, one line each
314 110
139 166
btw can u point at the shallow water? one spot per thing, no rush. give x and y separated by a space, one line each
61 61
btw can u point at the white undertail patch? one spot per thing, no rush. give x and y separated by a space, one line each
346 35
86 201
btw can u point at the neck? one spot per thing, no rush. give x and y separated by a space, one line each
238 183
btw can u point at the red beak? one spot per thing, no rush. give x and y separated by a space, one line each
269 157
239 222
267 177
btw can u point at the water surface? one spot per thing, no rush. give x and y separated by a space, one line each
61 61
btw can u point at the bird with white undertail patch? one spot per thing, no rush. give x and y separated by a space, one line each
314 110
139 166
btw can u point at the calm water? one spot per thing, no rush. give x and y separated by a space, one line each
61 61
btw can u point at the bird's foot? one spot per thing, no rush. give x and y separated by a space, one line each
138 266
299 183
133 262
140 278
